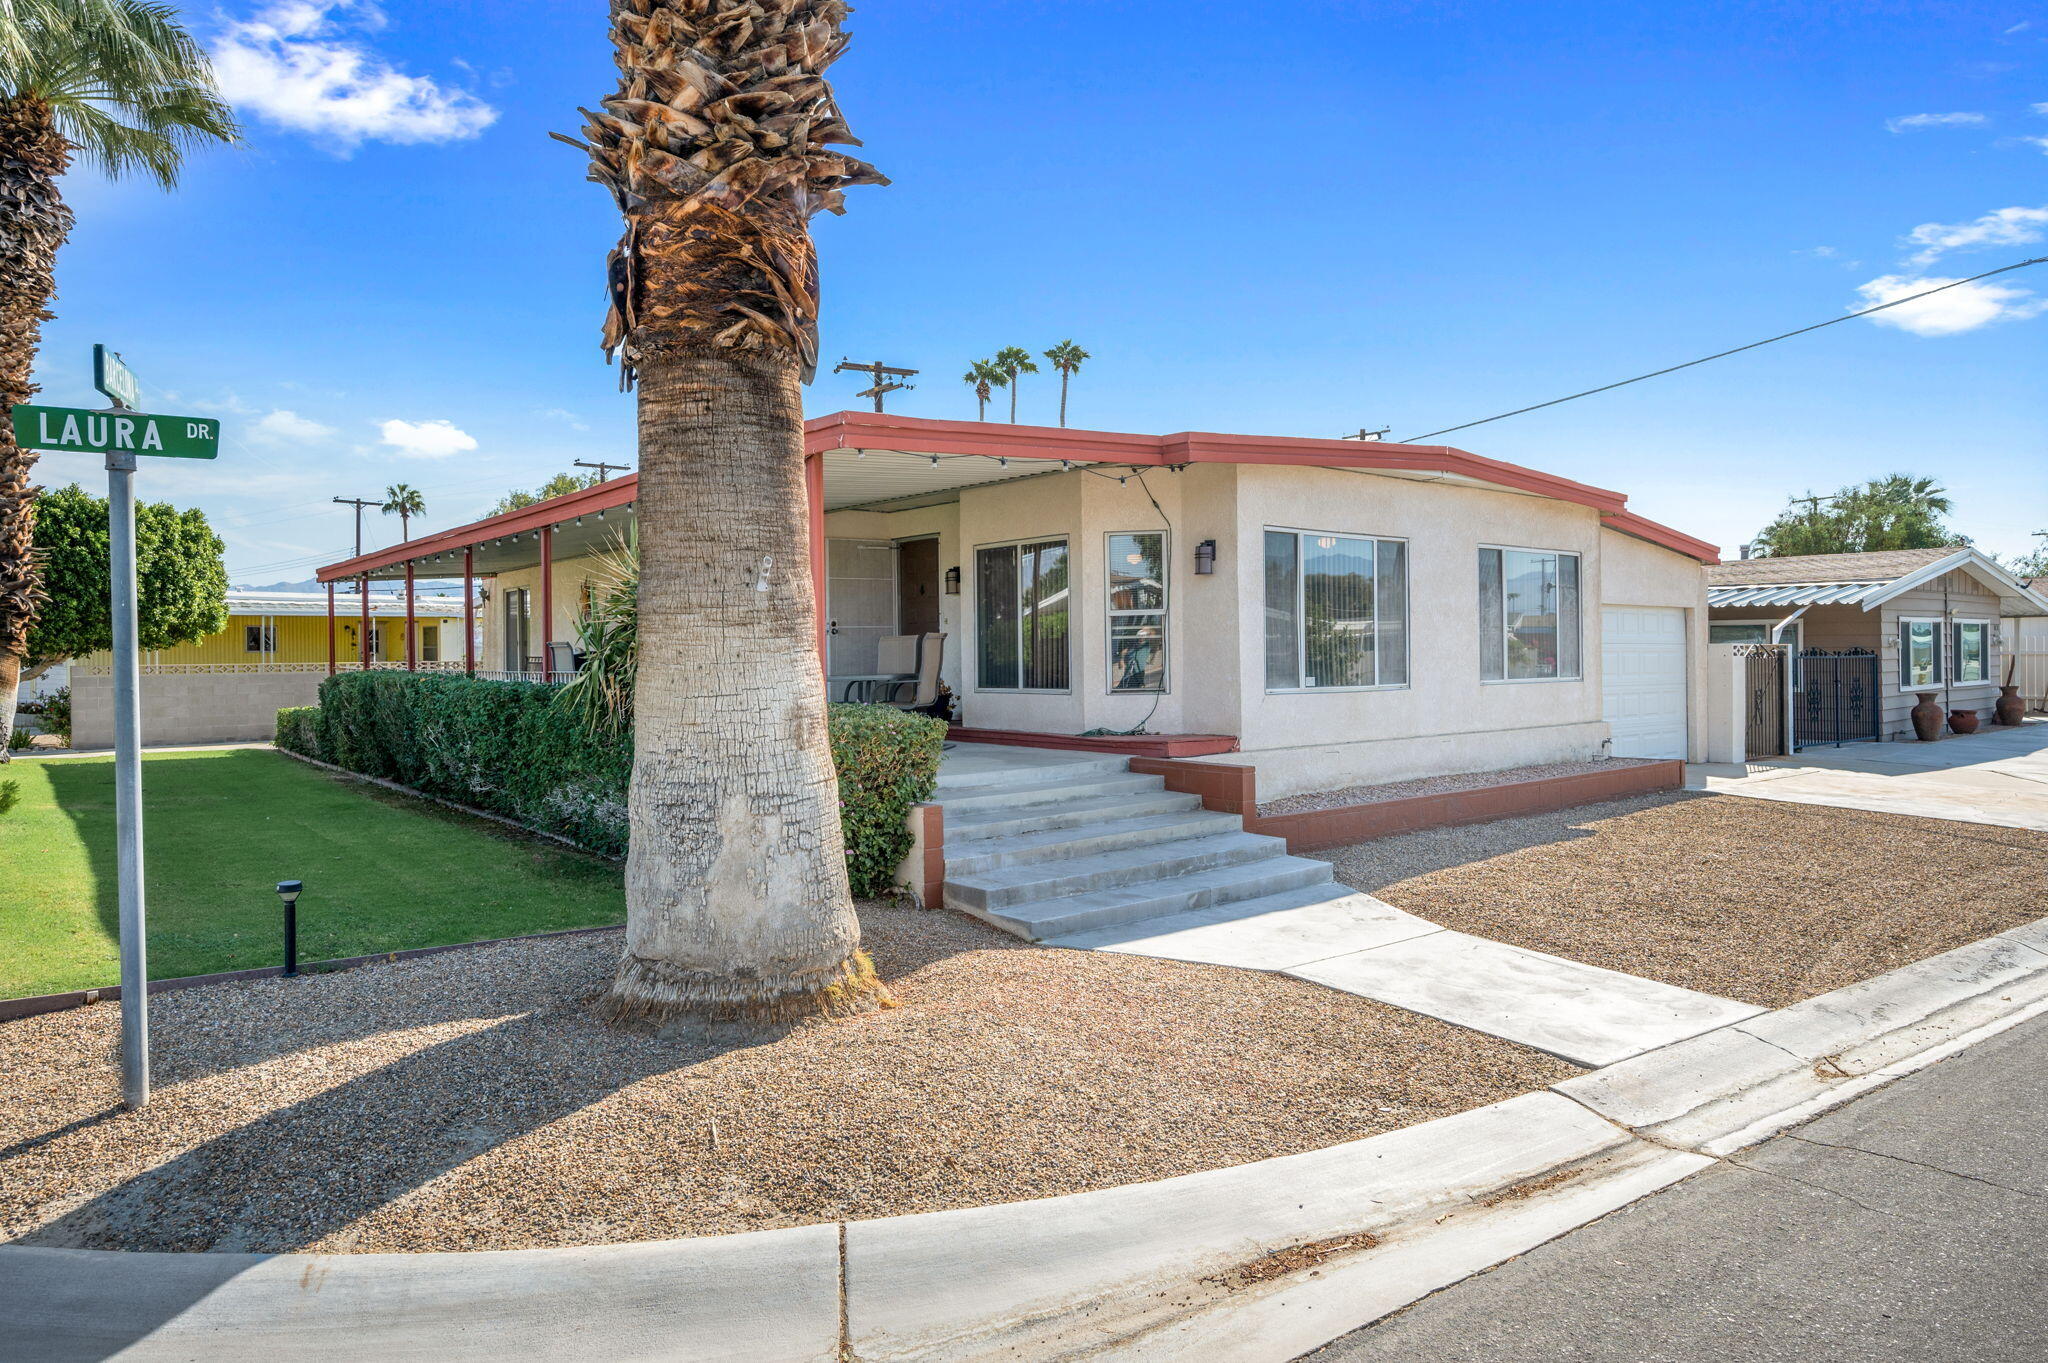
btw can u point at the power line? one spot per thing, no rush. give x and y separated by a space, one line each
1655 373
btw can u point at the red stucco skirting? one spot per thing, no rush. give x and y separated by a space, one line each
1361 823
1135 745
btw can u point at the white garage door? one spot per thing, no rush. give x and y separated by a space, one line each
1642 679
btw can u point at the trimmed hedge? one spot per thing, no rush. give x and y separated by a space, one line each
508 748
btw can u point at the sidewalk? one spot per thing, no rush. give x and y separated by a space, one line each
1904 1228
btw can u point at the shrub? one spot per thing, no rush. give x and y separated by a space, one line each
888 761
508 747
19 739
57 714
300 729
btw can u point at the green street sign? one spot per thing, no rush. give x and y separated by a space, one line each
115 379
76 430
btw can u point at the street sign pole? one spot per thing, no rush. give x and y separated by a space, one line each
128 783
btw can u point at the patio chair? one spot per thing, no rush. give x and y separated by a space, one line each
931 651
896 653
561 660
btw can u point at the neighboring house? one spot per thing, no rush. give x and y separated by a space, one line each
1333 612
229 686
2030 651
1937 620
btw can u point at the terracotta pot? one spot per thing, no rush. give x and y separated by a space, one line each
1963 721
1927 717
2011 708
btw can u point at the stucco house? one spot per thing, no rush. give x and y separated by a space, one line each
1331 612
277 646
1937 620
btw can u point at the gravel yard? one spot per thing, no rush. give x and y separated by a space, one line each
1755 900
469 1101
1438 785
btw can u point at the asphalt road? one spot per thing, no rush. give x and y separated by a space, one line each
1908 1227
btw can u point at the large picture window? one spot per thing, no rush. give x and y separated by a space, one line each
1528 615
1336 611
1021 615
1972 661
1136 579
1919 653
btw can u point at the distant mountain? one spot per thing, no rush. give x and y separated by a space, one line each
310 585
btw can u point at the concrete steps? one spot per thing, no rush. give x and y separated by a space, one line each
1063 846
979 799
1093 910
964 828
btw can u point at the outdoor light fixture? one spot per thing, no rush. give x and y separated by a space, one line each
288 891
1205 558
953 581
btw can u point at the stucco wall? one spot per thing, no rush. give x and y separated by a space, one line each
192 707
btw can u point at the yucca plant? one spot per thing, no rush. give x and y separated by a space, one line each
717 149
121 87
600 696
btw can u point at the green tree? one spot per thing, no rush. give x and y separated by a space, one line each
119 86
1897 511
1066 359
1014 360
984 377
404 501
561 485
181 582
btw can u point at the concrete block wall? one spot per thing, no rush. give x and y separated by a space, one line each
195 707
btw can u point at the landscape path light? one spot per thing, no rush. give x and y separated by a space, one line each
288 891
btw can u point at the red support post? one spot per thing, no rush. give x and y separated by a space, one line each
547 601
469 610
363 587
814 497
333 661
412 652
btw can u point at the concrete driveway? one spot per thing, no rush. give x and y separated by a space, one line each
1995 776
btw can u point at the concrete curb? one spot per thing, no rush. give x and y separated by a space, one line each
1183 1269
1743 1083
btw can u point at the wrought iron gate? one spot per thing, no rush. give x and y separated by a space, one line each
1764 685
1837 701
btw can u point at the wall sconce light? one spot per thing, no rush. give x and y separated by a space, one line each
1205 558
953 581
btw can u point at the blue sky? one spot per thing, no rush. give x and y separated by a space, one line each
1391 214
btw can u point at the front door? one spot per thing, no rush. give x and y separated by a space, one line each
860 602
518 623
917 587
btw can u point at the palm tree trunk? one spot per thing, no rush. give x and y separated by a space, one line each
33 224
736 890
1063 397
1013 399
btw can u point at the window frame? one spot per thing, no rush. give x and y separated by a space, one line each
1939 670
1578 676
1301 611
1955 657
1066 541
266 639
1165 613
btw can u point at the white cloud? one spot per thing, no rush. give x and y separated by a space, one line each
1964 308
563 415
283 428
2002 227
426 439
299 65
1916 122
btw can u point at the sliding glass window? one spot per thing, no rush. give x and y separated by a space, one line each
1136 580
1336 611
1021 616
1528 615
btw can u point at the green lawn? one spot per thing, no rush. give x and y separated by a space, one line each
383 871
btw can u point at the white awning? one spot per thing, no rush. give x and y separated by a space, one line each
1794 594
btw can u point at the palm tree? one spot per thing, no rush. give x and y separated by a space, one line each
984 377
1066 359
404 501
120 86
716 148
1014 360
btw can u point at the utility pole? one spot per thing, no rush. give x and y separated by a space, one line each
1363 434
604 471
878 371
359 503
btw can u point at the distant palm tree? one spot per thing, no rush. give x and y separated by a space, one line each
119 85
404 502
1066 359
1014 360
984 377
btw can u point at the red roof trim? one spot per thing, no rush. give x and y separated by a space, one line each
923 435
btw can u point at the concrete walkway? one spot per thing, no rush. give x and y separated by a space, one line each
1906 1226
1996 776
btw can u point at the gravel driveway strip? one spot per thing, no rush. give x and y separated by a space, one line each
469 1101
1764 902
